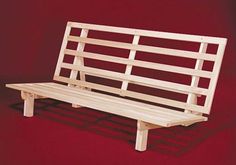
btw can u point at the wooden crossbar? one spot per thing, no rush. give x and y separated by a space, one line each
170 86
150 33
144 48
139 63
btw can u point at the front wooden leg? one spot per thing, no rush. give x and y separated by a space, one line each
141 139
142 134
28 104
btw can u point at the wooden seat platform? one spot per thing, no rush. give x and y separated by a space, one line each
160 79
119 106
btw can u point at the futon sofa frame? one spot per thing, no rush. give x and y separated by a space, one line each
150 110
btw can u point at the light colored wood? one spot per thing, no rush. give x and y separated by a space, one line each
28 104
142 134
24 96
145 97
114 99
216 71
139 63
165 85
129 67
111 104
192 98
144 48
79 61
63 47
141 139
144 125
149 116
149 33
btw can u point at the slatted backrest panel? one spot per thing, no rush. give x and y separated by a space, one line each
127 78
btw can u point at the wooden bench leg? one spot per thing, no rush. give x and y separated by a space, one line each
142 134
76 105
141 139
28 104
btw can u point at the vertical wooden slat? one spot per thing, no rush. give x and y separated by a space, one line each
79 60
129 67
216 71
63 47
192 98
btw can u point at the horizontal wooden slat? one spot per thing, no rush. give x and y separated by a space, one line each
170 86
119 106
139 63
164 113
150 33
144 48
132 94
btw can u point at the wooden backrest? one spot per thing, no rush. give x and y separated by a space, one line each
197 64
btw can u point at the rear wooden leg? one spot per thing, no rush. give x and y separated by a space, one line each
28 104
76 105
141 137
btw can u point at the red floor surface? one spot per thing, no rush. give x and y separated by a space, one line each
59 134
31 34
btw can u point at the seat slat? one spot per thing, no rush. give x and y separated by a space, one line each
132 94
144 48
170 86
107 104
139 63
148 108
111 99
164 112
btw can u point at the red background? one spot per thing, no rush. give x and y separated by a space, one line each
31 35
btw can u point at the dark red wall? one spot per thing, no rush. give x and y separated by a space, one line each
32 31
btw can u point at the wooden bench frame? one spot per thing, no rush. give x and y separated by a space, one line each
80 92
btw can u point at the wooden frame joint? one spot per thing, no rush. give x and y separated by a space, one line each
141 125
25 95
142 134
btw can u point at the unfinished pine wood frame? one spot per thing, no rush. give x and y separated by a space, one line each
150 111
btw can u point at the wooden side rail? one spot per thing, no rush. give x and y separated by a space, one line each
159 86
